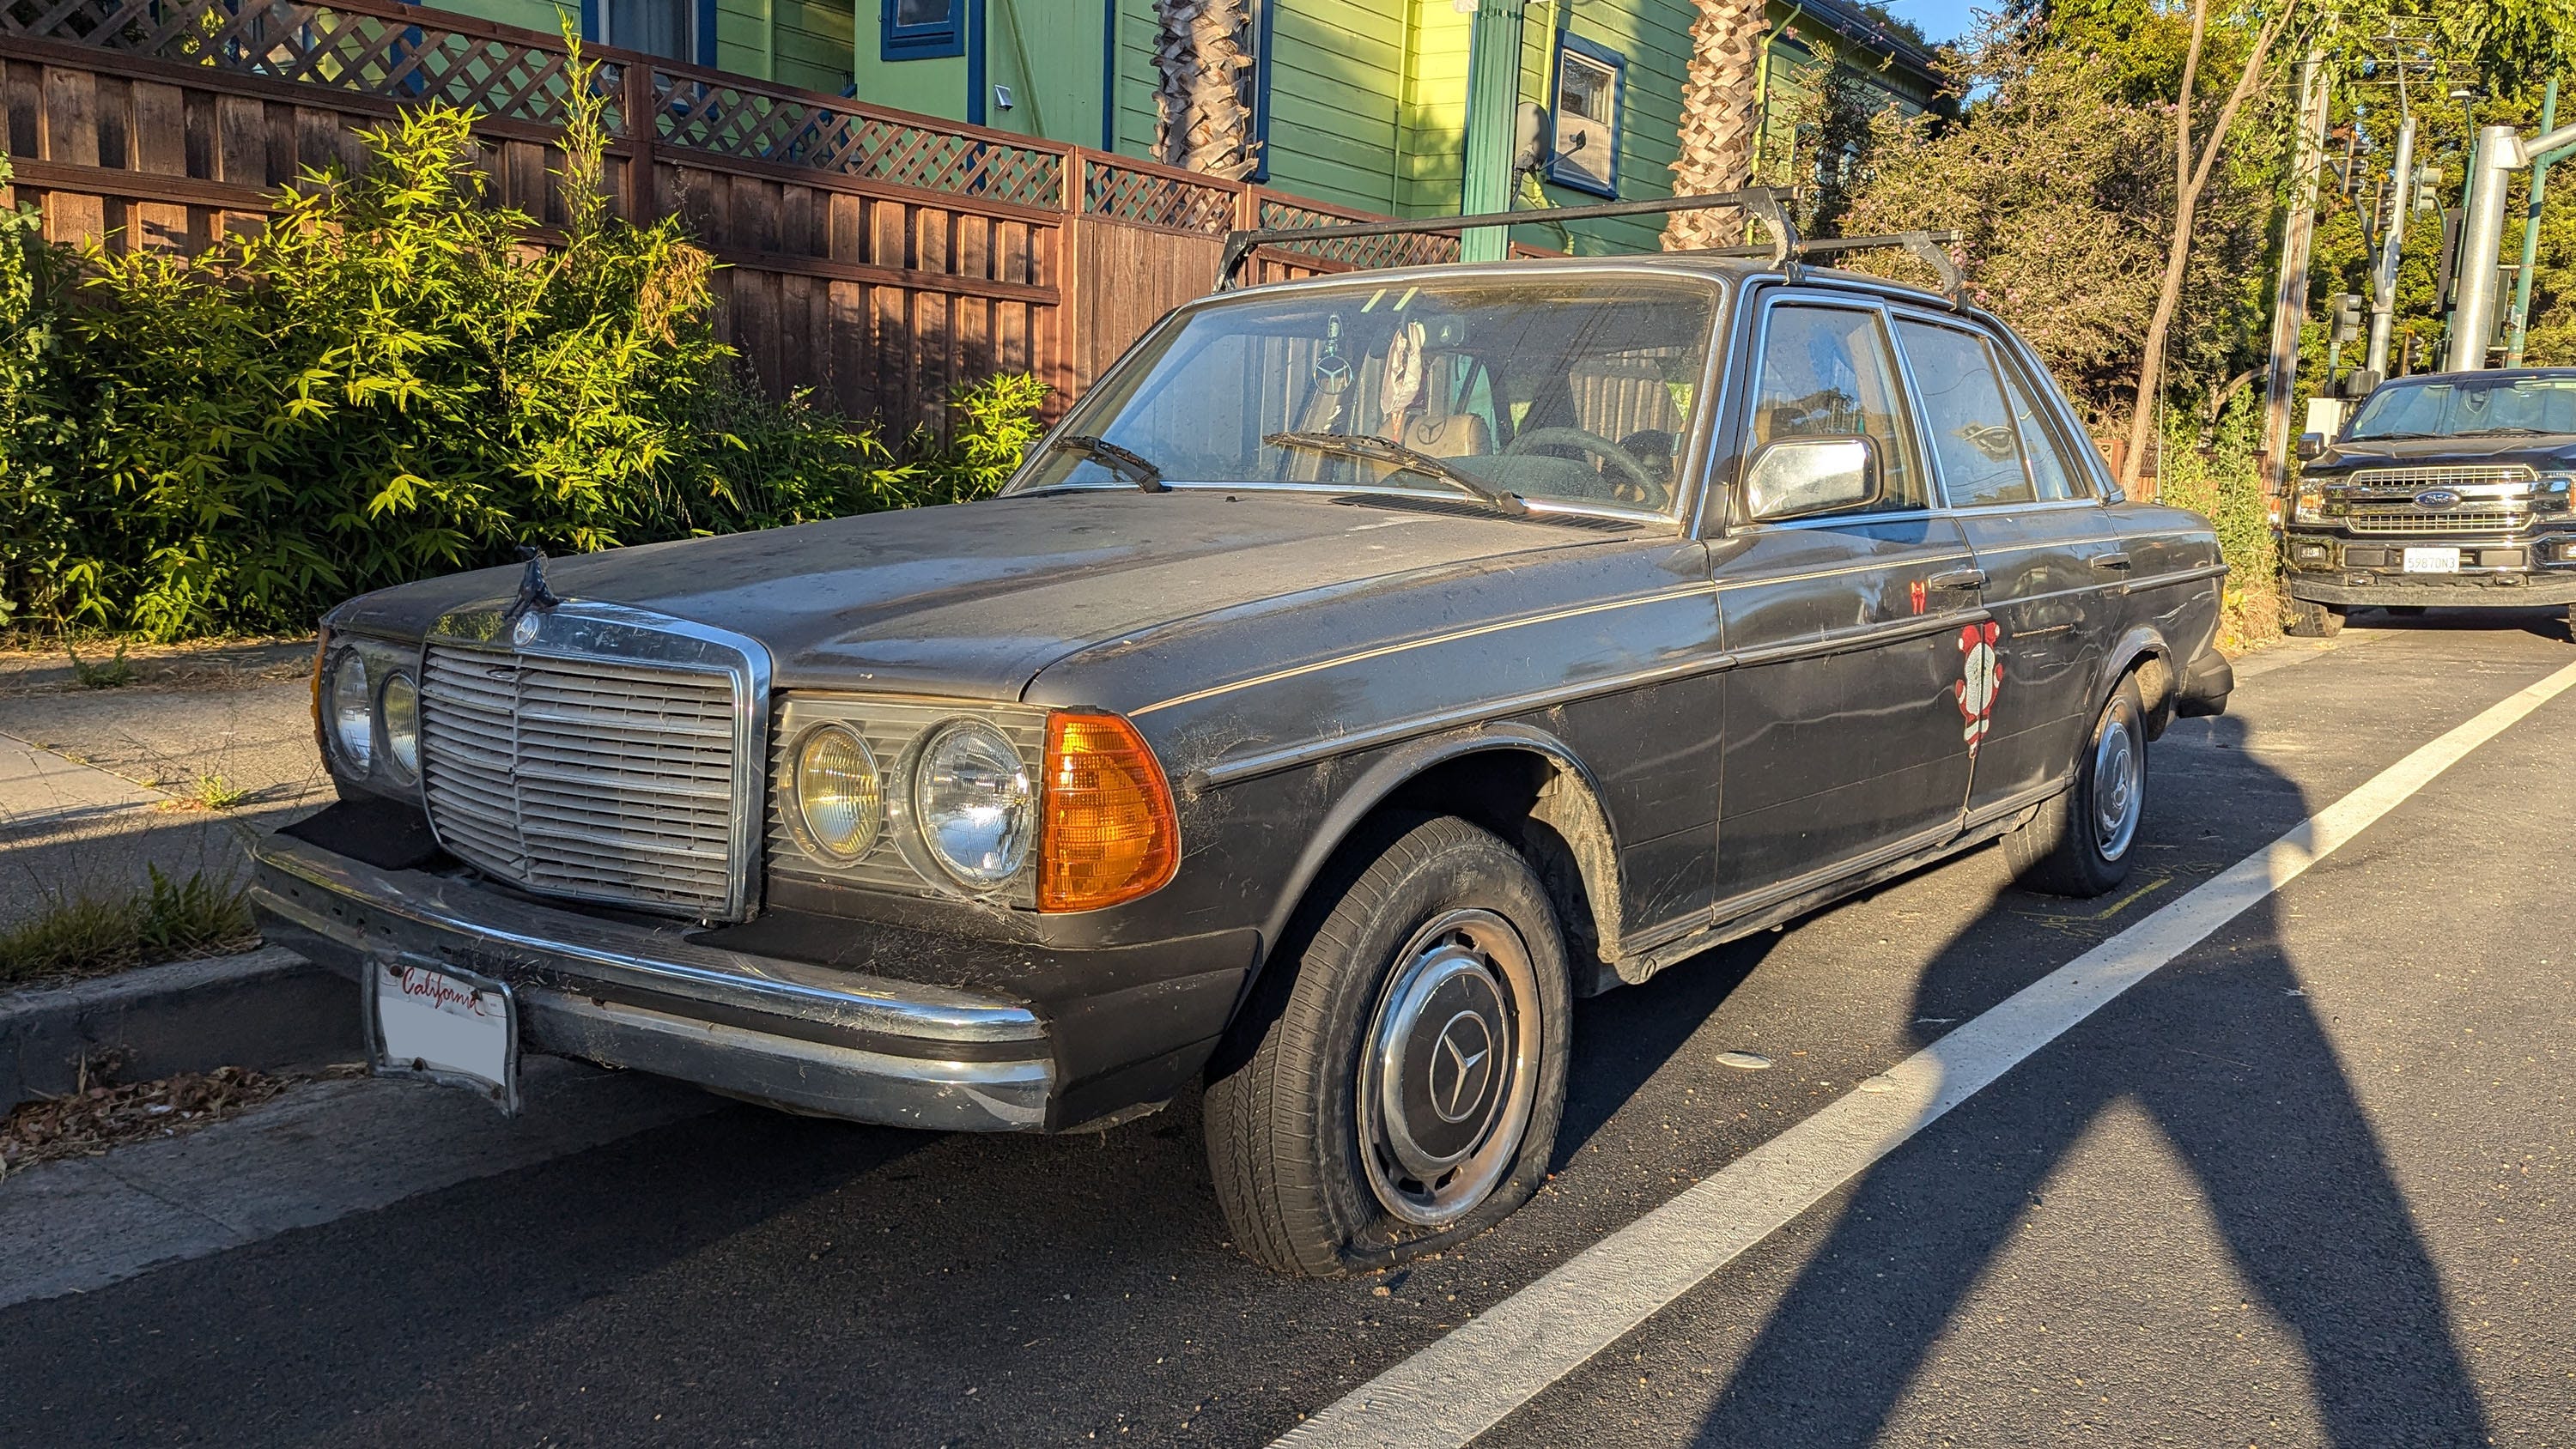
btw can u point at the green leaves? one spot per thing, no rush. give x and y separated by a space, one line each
397 378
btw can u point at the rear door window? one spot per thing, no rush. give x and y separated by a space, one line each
1960 390
2048 467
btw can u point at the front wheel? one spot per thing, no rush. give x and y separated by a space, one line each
1401 1089
2079 843
2306 619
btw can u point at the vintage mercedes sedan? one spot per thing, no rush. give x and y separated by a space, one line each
1363 670
2445 490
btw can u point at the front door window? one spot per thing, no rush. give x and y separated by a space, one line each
1828 372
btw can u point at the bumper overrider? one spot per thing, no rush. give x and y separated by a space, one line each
606 990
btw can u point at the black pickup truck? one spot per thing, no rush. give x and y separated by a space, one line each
2449 489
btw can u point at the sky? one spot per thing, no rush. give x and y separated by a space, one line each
1941 19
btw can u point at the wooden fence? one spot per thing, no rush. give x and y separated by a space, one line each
874 256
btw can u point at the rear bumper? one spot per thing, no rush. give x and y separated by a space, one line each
840 1043
2206 683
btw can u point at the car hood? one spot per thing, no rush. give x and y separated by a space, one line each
2547 454
973 600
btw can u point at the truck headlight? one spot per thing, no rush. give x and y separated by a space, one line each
352 713
976 805
2310 508
840 796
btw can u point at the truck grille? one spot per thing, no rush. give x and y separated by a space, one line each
2418 520
2441 477
603 779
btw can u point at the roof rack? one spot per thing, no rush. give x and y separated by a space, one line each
1766 204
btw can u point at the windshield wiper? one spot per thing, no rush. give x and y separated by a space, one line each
2515 432
1406 460
1136 467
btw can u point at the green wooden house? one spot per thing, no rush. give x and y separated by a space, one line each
1358 103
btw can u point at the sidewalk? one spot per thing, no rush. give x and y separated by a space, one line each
96 784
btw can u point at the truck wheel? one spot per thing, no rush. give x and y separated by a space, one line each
2406 611
2305 620
2078 844
1401 1086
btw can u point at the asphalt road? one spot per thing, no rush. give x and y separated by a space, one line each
2309 1183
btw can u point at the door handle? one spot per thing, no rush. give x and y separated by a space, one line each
1957 579
2110 560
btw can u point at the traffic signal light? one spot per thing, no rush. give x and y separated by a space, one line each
2428 189
2343 310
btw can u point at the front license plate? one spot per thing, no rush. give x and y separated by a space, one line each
2432 560
429 1019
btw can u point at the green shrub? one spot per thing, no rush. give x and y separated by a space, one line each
86 933
2222 478
34 435
394 379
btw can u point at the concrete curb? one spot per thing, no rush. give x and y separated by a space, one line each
264 1009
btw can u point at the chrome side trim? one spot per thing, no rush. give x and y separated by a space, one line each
2182 576
1289 757
635 955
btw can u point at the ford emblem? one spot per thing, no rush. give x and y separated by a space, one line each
524 632
2437 498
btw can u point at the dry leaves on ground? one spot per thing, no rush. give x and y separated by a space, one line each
89 1122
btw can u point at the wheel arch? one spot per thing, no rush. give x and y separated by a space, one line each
1508 778
2142 651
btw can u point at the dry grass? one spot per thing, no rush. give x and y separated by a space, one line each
206 792
91 934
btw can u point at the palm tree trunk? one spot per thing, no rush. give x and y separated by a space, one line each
1718 120
1203 103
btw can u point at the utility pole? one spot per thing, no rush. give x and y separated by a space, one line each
2290 289
2517 329
1493 118
2501 151
2383 277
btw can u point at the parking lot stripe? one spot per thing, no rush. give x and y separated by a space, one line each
1469 1381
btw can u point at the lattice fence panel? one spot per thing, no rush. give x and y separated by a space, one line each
1403 250
1151 198
754 124
403 56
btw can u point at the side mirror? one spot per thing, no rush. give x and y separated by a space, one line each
1799 476
2311 445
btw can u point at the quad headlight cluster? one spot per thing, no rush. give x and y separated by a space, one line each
1063 811
367 707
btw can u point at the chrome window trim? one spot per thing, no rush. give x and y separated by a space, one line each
591 632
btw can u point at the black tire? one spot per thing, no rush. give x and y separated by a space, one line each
2406 611
2081 842
2302 619
1299 1134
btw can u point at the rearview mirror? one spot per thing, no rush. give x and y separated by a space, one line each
1799 476
2311 445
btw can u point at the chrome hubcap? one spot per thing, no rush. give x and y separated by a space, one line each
1450 1068
2119 788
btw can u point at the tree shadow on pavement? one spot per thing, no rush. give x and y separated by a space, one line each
2222 1051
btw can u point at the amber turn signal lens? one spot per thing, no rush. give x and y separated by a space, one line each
1110 834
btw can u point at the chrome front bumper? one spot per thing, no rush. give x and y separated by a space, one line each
866 1048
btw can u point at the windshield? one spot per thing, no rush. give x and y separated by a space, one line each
2466 408
1481 390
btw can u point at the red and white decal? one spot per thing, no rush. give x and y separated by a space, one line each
1981 678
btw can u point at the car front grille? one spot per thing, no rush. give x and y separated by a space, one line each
2419 520
601 779
2441 477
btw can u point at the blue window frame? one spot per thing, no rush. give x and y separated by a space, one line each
1590 105
682 30
922 29
1262 12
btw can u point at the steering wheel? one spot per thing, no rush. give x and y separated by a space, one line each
1654 492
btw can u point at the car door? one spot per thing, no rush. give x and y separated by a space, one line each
1842 739
2027 674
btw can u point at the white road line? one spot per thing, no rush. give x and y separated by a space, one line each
1469 1381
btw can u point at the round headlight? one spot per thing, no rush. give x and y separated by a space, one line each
976 804
838 795
353 722
401 705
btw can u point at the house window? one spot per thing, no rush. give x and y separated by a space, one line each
682 30
1589 78
923 29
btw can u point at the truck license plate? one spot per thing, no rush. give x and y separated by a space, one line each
2432 560
429 1019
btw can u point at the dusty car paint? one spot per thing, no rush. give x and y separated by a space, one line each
1720 723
